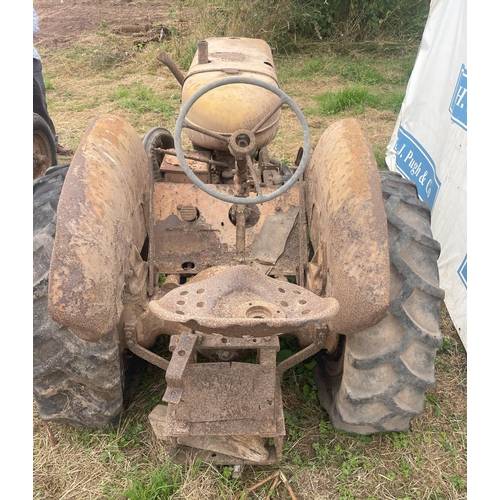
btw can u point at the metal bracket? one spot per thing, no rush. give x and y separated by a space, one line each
142 352
180 358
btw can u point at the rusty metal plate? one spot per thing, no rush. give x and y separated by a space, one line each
167 427
240 301
227 391
209 342
173 171
271 241
188 247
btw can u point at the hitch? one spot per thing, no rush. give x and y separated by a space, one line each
230 411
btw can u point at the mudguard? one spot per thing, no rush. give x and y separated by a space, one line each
101 228
348 227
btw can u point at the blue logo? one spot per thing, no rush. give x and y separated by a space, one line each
462 271
458 105
414 163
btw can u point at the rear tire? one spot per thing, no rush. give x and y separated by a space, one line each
44 147
377 382
157 137
74 381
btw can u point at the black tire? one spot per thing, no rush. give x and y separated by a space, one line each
157 137
44 147
75 382
377 382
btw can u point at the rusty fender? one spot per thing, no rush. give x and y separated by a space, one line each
348 227
101 228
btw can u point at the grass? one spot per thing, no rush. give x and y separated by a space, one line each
106 73
352 99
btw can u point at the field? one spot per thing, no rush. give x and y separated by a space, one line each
100 57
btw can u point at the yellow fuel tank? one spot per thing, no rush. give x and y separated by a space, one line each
228 108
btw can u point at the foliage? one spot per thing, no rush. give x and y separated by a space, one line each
159 484
286 24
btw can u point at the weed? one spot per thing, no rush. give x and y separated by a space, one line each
351 98
161 279
436 495
400 439
457 482
364 439
361 71
445 443
141 99
404 468
159 484
446 347
379 151
419 460
112 453
431 400
87 437
345 493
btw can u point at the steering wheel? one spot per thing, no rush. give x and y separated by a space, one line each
242 142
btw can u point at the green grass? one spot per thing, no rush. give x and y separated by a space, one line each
142 99
353 99
160 483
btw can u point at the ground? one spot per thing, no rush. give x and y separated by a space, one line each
63 23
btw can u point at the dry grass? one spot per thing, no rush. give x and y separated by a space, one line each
428 462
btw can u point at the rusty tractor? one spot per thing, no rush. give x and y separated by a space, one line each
201 236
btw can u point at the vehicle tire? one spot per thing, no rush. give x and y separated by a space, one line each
44 147
377 378
74 381
157 137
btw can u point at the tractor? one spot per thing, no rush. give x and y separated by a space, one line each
205 238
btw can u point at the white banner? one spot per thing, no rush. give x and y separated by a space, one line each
429 144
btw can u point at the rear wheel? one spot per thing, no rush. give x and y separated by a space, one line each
74 381
377 378
44 147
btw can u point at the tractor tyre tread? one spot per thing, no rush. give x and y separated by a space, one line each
74 381
388 367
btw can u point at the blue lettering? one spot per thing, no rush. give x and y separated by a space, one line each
461 94
423 177
428 188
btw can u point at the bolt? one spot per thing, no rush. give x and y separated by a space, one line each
179 207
